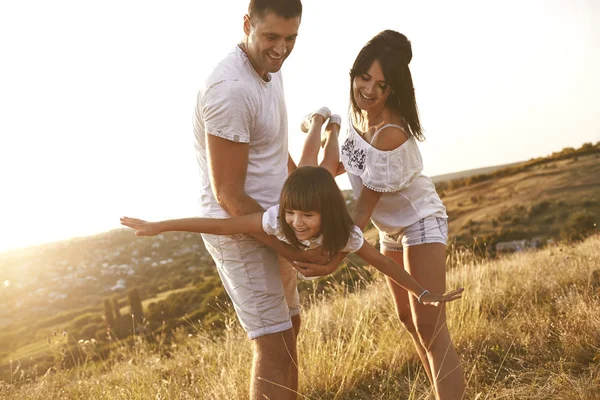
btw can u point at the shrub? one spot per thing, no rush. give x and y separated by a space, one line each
441 186
539 208
89 331
78 323
579 224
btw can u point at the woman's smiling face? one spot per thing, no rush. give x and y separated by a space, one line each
370 89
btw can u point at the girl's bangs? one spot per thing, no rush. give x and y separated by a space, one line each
301 197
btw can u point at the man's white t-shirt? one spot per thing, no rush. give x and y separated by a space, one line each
236 104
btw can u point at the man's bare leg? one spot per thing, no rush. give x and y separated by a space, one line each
274 367
294 374
296 324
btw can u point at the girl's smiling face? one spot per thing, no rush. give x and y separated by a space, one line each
305 224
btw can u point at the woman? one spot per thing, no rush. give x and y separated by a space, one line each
384 165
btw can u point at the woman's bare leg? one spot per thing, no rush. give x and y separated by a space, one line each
427 264
400 296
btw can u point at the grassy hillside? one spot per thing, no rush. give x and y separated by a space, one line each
528 327
61 287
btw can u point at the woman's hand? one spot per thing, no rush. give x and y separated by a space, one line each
432 299
142 228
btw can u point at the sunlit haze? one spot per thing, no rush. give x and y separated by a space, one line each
97 97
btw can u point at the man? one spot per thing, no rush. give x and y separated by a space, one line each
242 149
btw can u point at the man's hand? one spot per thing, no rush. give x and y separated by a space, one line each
313 256
311 269
291 253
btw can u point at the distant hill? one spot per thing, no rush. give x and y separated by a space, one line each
471 172
554 197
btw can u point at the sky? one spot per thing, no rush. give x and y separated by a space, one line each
97 98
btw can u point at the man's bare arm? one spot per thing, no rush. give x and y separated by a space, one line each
228 164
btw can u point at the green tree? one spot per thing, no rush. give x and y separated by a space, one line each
108 313
117 308
135 305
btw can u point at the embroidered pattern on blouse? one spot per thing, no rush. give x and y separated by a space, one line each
356 157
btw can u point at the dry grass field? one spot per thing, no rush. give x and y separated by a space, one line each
528 327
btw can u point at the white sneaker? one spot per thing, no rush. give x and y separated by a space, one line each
323 112
333 119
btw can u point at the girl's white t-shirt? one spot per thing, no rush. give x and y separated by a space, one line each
272 226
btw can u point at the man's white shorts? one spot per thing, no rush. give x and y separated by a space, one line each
262 286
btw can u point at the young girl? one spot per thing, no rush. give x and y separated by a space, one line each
311 213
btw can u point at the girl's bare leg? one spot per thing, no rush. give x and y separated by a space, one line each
313 125
331 155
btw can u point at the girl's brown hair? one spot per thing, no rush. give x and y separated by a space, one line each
314 189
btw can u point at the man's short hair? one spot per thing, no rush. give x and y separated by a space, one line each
258 9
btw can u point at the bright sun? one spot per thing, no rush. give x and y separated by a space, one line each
7 283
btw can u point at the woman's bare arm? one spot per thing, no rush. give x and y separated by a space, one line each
403 278
365 204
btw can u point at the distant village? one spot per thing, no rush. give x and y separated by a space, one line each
49 276
513 246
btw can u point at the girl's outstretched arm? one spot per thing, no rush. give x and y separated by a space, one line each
249 224
403 278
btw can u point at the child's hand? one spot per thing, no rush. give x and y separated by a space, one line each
142 228
432 299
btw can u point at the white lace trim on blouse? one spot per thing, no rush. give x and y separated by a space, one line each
379 170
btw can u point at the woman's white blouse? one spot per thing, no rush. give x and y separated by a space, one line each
408 195
272 226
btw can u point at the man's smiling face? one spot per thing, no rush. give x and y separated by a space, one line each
270 40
